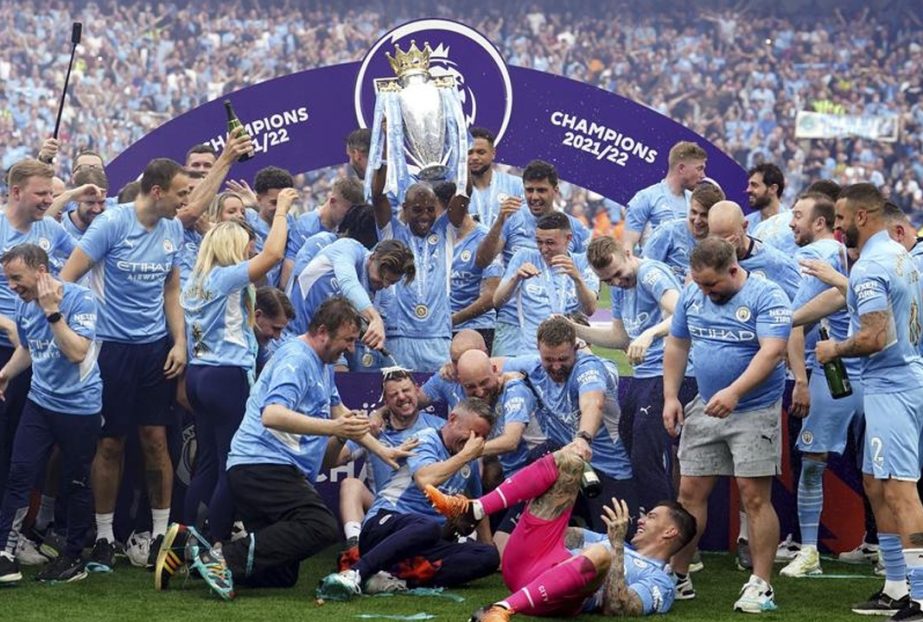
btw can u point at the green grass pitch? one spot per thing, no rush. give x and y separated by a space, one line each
128 594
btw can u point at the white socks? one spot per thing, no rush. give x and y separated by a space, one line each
104 527
159 520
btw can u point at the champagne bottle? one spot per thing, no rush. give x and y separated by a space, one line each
835 372
589 482
233 124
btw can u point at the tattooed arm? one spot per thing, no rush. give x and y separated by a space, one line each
556 500
573 538
618 598
873 335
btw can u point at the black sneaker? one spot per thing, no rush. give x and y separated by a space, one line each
156 543
170 555
64 569
909 613
102 559
880 604
9 570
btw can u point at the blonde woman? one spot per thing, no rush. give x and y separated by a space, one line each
218 305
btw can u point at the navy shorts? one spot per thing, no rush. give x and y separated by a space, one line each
135 391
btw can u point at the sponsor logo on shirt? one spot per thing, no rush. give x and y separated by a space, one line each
866 291
722 334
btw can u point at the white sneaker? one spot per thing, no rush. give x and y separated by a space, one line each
27 553
805 563
684 588
755 597
340 585
696 564
787 550
862 554
138 548
384 583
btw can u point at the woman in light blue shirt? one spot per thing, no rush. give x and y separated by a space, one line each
218 304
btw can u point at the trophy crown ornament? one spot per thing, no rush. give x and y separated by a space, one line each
414 60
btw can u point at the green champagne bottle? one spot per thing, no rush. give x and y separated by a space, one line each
233 124
589 482
835 372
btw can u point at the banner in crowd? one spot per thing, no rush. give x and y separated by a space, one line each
597 140
821 125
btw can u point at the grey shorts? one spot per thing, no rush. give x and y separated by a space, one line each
745 444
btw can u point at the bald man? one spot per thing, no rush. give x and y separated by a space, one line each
726 220
443 385
902 231
513 403
419 316
512 437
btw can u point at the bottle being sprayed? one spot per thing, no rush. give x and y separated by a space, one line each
233 124
589 482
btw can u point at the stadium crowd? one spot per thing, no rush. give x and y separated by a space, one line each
737 76
189 291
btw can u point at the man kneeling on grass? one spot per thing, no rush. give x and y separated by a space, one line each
556 571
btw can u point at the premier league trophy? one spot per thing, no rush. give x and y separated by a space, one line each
427 138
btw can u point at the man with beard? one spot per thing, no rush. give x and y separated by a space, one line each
558 571
672 242
828 420
736 327
539 283
884 302
402 420
644 294
726 220
490 187
769 221
402 534
577 401
276 455
516 229
419 326
357 150
669 198
89 205
904 233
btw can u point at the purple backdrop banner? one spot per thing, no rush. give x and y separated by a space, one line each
597 139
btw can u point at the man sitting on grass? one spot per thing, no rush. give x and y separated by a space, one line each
556 571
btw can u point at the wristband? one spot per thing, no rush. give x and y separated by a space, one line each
53 317
584 435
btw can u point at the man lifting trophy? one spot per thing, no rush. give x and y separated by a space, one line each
425 137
